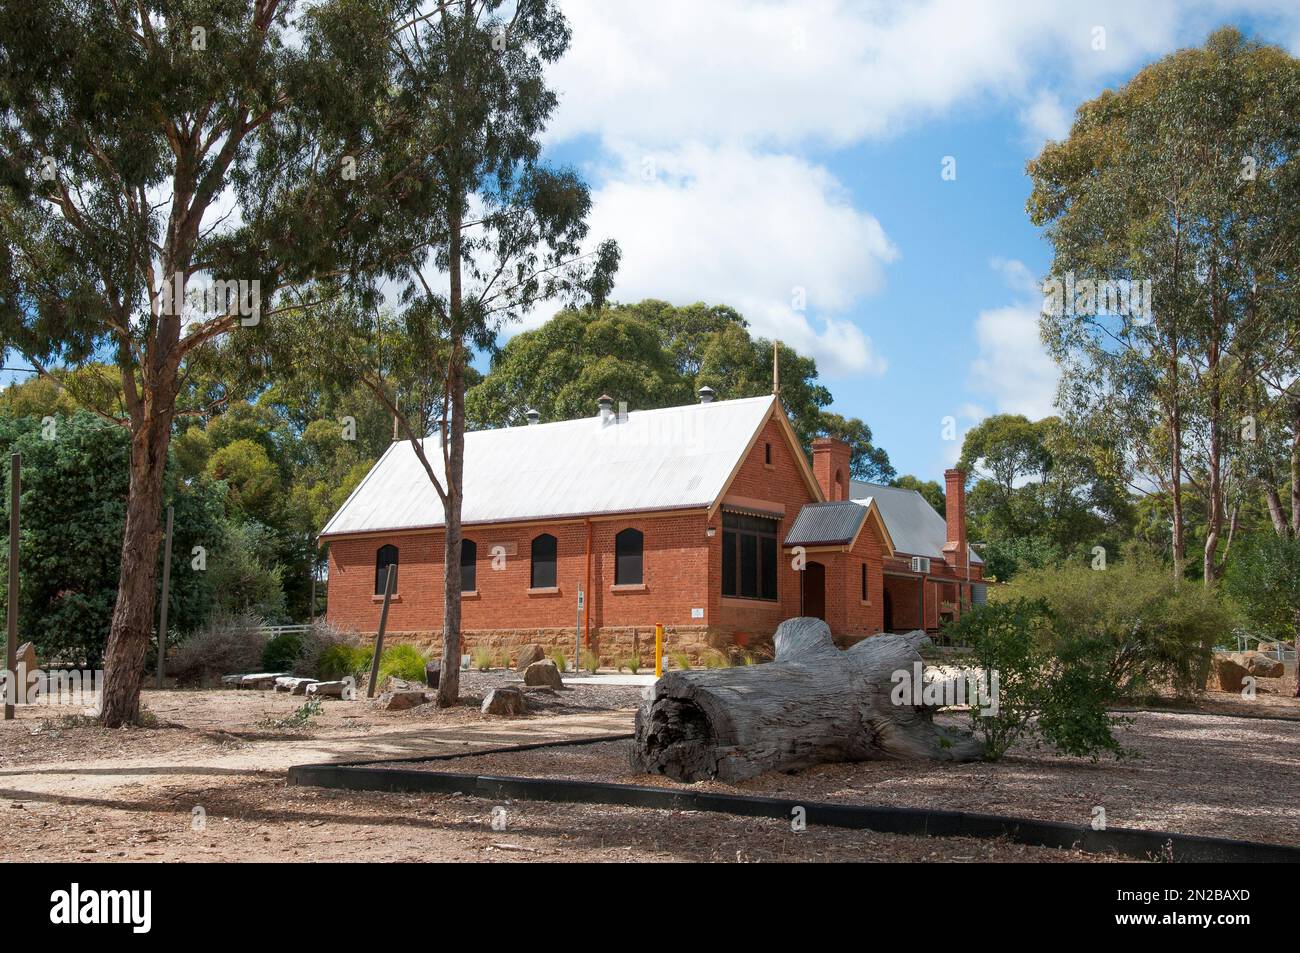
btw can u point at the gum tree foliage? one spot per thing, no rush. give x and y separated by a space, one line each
1187 177
1264 580
74 487
930 491
506 232
653 354
145 144
1039 494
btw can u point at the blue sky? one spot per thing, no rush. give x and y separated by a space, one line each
743 151
740 149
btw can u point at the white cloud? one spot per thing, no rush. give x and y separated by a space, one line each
791 73
1045 118
1012 366
724 225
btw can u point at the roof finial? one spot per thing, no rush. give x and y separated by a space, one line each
776 368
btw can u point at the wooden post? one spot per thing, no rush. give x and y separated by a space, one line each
379 636
11 643
166 597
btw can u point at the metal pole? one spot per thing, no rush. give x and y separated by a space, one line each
11 642
166 598
383 624
311 611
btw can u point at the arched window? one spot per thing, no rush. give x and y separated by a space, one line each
386 556
543 574
468 565
627 557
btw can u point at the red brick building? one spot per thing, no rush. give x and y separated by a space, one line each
708 518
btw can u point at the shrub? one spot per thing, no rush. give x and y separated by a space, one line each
560 661
590 661
1049 687
319 639
282 652
342 660
714 658
482 658
1152 630
1264 582
228 645
682 661
402 661
633 663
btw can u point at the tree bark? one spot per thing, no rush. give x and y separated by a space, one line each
815 703
454 434
128 639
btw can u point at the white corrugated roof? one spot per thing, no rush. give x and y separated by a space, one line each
917 529
648 460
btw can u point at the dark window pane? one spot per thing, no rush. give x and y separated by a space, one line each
386 556
468 565
627 557
543 574
768 588
749 565
728 564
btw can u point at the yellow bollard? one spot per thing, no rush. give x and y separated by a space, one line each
659 650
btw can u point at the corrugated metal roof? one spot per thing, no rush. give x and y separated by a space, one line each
827 523
648 460
917 529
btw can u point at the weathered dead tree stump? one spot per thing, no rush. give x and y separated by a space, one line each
815 703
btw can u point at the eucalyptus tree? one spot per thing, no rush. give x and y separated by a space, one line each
1170 210
240 145
507 233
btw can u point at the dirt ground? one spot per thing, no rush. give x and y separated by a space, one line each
206 782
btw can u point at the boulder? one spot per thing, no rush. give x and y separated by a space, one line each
543 673
394 684
1230 672
505 701
528 655
1260 665
400 700
230 681
344 690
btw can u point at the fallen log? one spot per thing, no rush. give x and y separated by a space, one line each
814 704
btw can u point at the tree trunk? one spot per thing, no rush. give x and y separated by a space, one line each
132 625
813 704
454 434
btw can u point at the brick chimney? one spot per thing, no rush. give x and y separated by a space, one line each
831 467
955 551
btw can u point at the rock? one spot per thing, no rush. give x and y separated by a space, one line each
528 655
230 681
26 656
395 684
432 673
400 700
1230 672
543 673
292 684
344 690
1260 665
262 681
505 701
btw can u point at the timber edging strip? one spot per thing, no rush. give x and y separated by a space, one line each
1130 842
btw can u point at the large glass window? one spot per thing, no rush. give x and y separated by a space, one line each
749 556
385 556
543 574
627 557
468 565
